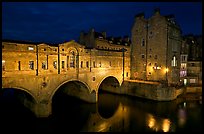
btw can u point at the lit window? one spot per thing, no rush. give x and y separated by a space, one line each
30 48
183 73
55 64
192 81
31 65
183 65
174 62
3 65
72 59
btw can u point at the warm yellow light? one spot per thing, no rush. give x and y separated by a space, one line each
167 70
166 125
151 121
158 67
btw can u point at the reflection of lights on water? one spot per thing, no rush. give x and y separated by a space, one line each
158 124
166 125
181 117
151 121
102 127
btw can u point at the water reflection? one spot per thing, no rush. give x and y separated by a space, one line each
158 124
113 113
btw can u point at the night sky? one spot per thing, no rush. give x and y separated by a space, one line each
53 22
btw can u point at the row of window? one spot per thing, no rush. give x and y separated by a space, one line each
30 48
143 56
173 61
45 65
107 48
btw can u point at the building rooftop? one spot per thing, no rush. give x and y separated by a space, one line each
27 42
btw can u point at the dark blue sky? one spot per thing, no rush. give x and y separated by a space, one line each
53 22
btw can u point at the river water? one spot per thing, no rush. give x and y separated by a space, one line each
112 113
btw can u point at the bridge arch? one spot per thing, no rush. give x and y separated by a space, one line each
82 85
23 90
111 81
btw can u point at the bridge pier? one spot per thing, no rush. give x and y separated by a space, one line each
42 109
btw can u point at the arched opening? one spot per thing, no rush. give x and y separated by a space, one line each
110 84
70 110
16 105
107 102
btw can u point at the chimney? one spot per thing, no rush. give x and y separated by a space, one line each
140 15
157 11
104 34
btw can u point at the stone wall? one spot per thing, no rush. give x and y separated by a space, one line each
150 91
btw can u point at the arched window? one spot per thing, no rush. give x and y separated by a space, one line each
72 59
174 61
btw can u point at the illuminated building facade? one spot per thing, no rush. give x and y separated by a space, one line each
155 48
191 60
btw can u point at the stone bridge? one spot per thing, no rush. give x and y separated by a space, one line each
38 91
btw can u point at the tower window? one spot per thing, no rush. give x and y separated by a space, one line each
143 42
174 61
155 57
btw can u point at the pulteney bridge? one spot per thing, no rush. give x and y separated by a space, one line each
42 88
39 88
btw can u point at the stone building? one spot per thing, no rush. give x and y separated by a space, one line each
191 60
108 46
155 48
28 58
